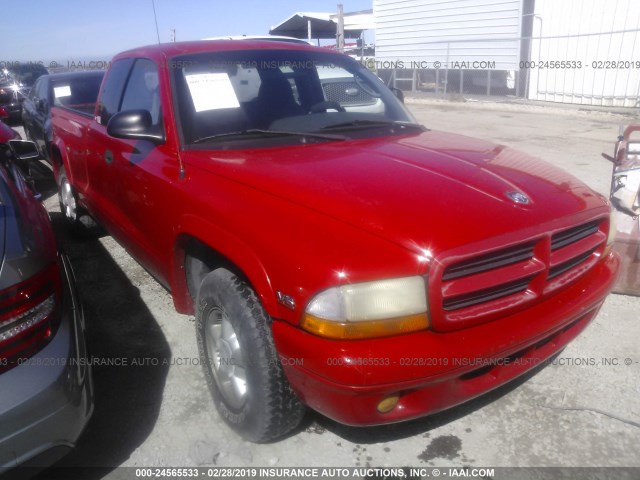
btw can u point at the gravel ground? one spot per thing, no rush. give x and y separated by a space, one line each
576 412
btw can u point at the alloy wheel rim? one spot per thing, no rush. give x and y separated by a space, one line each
68 200
227 358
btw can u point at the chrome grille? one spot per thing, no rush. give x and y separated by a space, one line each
346 93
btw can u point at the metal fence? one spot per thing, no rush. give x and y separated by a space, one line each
446 81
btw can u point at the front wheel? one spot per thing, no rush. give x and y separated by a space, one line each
247 383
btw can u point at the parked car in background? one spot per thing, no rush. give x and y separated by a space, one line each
16 81
345 90
77 91
46 394
7 133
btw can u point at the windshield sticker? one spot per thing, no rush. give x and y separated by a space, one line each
211 91
62 91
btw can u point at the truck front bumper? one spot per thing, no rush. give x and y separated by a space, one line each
430 371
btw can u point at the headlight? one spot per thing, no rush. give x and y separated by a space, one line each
611 237
372 309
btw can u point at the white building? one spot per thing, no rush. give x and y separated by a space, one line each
601 39
417 32
572 51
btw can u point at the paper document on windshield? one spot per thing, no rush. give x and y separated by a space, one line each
211 91
64 91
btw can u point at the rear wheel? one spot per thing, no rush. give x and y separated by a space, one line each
75 217
240 361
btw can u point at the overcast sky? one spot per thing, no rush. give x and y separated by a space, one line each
62 30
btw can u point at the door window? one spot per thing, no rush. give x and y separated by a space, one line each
112 90
142 91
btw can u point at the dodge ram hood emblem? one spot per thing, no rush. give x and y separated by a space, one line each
518 197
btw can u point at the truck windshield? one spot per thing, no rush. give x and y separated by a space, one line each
262 97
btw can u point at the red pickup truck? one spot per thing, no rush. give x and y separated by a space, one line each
335 253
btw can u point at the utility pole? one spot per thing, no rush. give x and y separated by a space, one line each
340 33
173 35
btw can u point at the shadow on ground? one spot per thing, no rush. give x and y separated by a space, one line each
43 179
120 329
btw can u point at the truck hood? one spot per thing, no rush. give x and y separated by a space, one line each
434 188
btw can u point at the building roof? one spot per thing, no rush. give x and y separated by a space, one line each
324 24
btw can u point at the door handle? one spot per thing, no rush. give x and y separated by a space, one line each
108 157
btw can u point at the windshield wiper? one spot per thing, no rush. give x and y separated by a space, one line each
257 132
373 123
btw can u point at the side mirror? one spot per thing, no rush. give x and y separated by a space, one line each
398 93
24 150
4 113
135 125
42 105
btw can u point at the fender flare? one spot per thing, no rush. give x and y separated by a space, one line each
58 146
226 245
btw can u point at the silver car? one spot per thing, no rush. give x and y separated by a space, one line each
46 393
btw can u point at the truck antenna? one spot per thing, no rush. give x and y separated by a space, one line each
155 17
